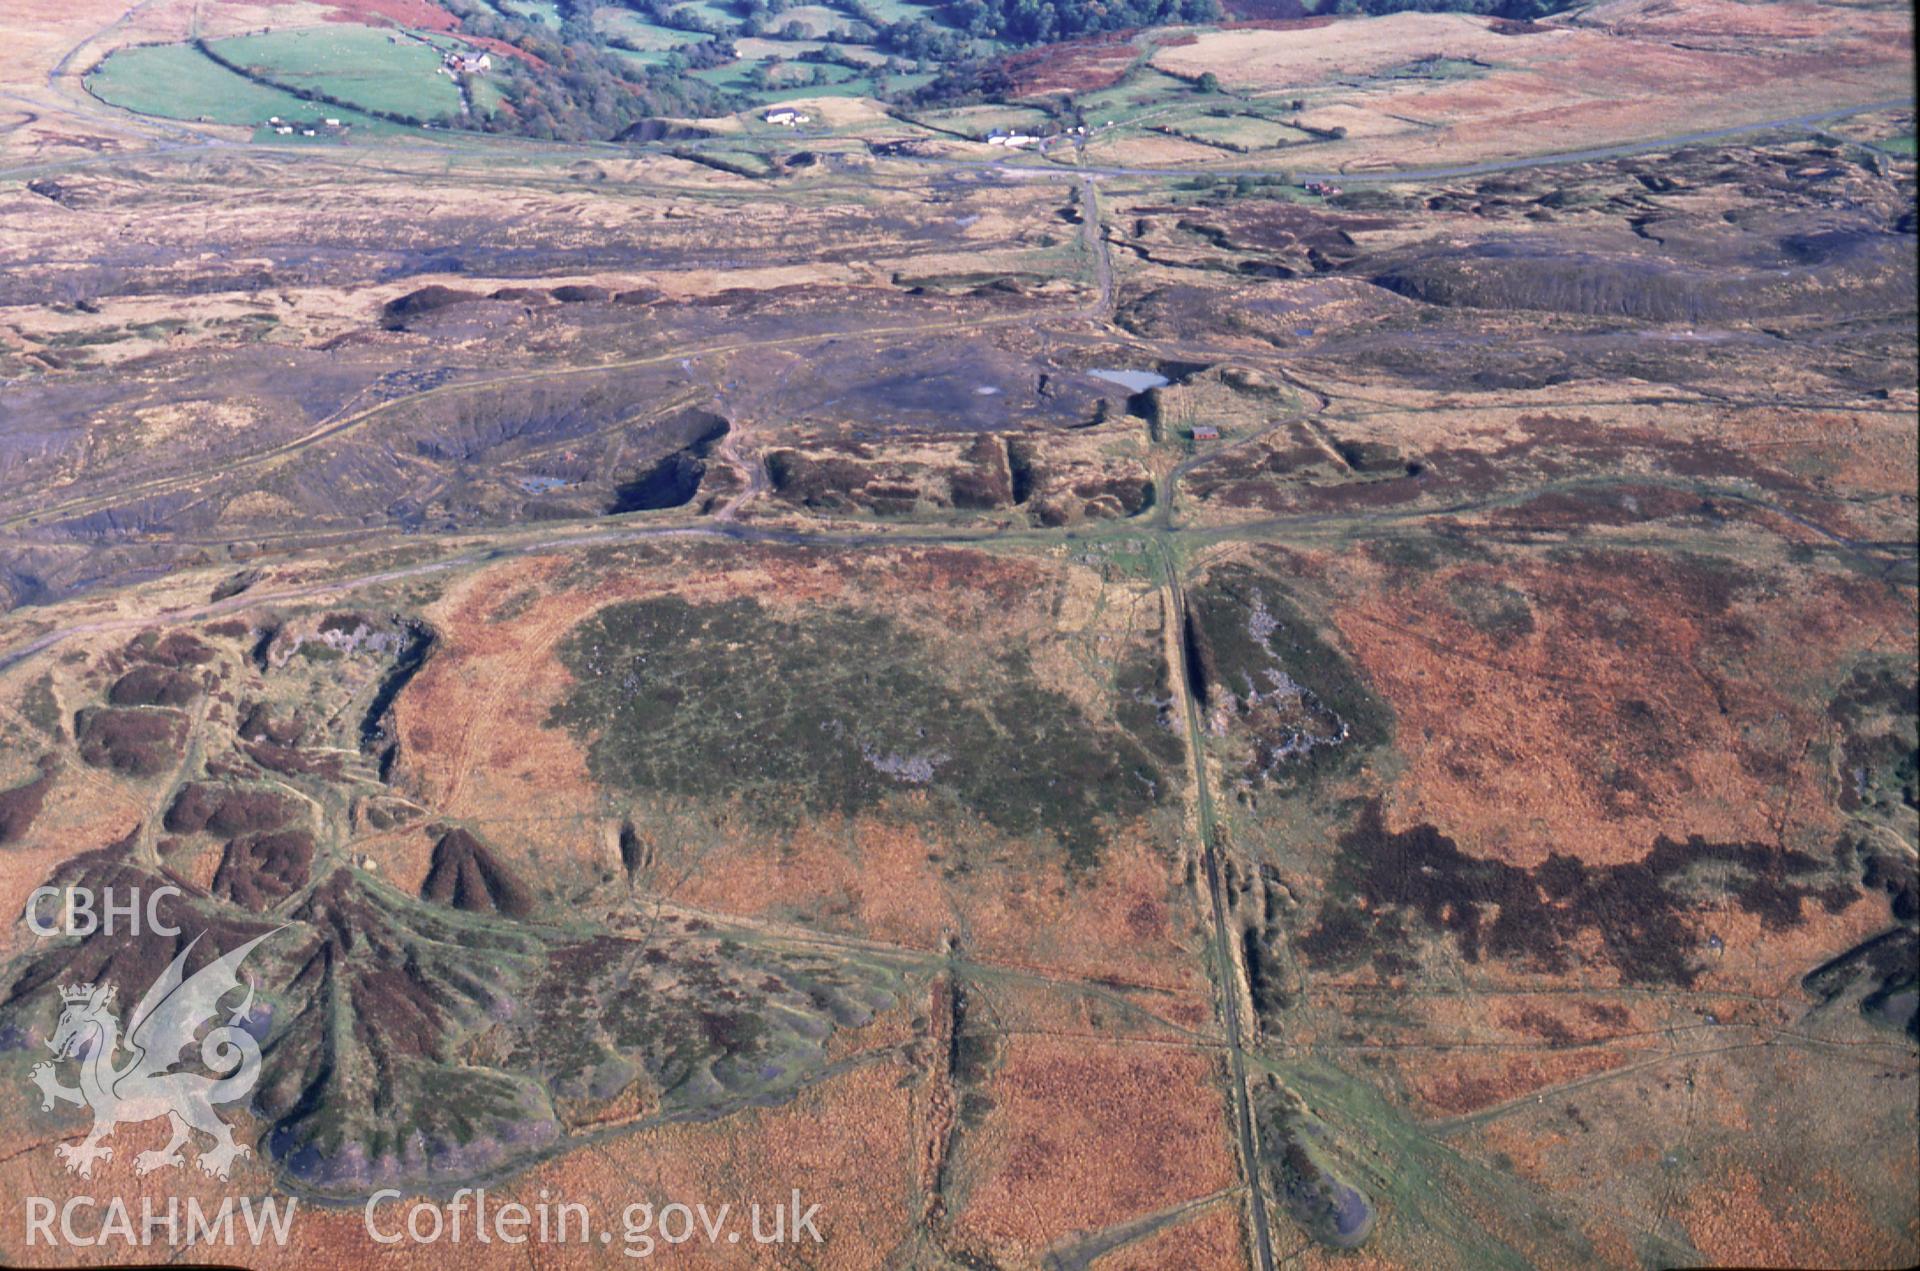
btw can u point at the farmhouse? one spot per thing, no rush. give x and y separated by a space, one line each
468 64
787 117
1011 140
1205 432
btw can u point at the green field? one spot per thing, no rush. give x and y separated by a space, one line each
1142 89
719 13
1238 130
645 36
646 42
648 58
911 80
905 11
818 20
545 12
486 94
376 70
789 81
730 78
853 86
177 81
978 121
755 48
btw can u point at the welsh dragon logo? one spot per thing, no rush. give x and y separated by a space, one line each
144 1086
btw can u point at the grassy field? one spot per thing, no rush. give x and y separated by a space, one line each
818 20
487 96
852 86
1237 130
719 13
1143 89
910 81
177 81
545 12
375 70
646 57
981 120
754 48
789 80
648 37
904 10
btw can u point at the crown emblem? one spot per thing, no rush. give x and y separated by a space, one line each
173 1011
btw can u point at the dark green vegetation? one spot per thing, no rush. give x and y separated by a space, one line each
140 743
1261 899
428 991
1878 709
40 708
1146 706
614 70
411 1042
840 711
1492 608
1295 1152
1517 10
22 803
1043 21
710 1021
1883 971
1385 885
467 875
1295 698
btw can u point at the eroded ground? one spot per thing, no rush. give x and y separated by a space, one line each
1076 719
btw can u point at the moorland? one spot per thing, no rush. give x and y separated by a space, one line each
1318 658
